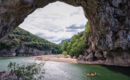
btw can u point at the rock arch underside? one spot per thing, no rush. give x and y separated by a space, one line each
109 21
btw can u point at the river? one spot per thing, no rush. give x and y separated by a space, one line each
67 71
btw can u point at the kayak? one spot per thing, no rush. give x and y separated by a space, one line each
91 74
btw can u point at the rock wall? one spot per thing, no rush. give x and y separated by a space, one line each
110 24
110 32
22 51
8 52
109 21
26 51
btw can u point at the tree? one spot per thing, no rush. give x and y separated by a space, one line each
64 53
64 45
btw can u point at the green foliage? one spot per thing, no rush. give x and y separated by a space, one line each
77 44
7 44
68 47
75 37
25 36
22 37
87 30
64 53
28 72
77 48
64 45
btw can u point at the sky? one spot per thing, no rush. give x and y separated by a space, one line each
55 22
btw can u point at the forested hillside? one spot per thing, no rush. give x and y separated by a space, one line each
77 43
21 39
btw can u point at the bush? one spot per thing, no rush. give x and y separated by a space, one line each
64 53
27 72
8 45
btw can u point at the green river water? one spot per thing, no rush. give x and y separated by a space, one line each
66 71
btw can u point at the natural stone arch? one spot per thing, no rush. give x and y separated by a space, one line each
109 19
13 12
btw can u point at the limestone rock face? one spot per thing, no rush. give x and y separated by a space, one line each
109 20
22 51
99 55
120 59
90 57
110 24
8 52
27 51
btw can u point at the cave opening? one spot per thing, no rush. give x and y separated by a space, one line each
109 22
107 42
56 21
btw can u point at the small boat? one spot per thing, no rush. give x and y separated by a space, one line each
91 74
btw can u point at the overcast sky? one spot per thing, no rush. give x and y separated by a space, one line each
55 22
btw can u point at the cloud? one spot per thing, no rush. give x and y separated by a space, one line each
75 28
55 22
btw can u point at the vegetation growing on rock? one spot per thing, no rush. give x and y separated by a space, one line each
77 44
20 38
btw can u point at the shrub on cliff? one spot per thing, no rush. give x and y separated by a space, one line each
8 44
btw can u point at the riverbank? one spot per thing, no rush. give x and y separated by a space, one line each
59 58
68 59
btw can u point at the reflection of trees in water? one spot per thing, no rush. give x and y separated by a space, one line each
122 70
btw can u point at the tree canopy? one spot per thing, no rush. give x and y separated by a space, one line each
77 44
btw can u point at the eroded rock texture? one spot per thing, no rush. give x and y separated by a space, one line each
110 30
109 21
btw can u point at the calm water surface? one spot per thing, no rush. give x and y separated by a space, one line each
66 71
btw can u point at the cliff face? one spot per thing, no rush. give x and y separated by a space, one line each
8 52
27 51
22 43
109 38
109 21
110 26
19 49
22 51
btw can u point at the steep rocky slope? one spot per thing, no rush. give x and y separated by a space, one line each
108 56
23 43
